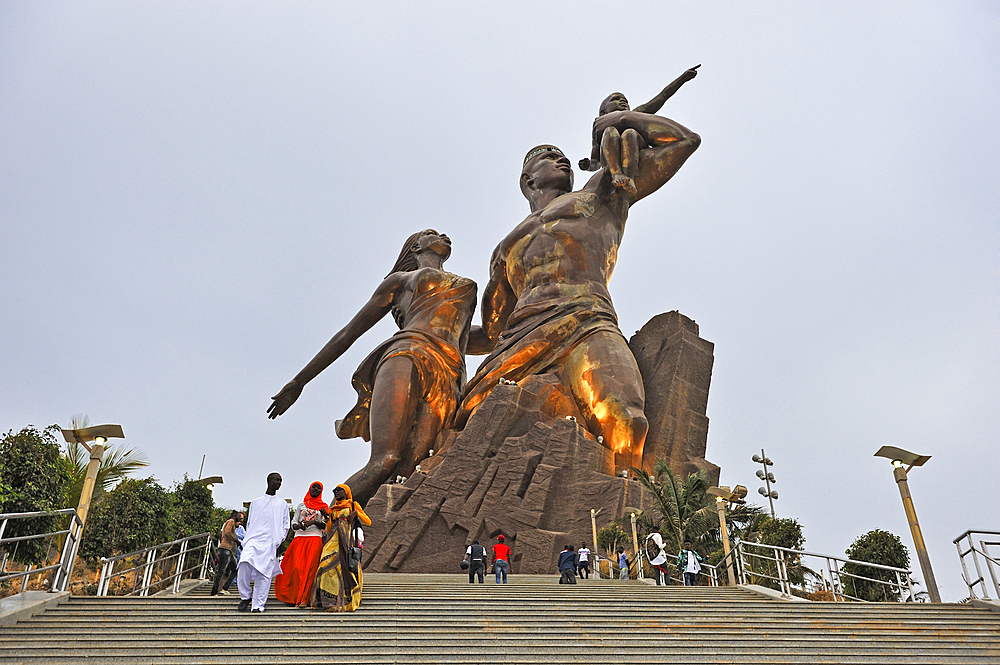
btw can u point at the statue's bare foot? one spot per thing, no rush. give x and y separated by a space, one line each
623 182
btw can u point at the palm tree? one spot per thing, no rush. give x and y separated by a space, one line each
683 509
118 463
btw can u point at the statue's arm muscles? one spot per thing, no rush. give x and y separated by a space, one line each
659 163
498 303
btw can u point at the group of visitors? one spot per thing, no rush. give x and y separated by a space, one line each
573 564
475 560
576 564
321 567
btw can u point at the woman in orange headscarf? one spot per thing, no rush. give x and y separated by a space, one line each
298 567
338 587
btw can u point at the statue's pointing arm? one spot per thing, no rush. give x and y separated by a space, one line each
653 105
377 306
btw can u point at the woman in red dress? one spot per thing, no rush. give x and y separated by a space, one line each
301 560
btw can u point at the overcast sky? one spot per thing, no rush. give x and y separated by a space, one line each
195 196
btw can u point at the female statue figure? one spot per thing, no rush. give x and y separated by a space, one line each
408 387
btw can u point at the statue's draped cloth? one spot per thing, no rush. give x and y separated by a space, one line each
539 335
439 363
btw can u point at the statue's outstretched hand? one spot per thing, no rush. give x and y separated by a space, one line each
691 73
284 399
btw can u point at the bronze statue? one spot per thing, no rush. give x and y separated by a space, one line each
617 139
547 309
408 387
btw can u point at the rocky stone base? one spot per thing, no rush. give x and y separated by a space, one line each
519 468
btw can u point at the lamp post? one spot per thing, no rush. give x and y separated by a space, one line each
210 482
724 495
99 434
767 477
635 544
900 457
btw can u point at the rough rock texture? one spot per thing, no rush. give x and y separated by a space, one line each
514 470
676 367
522 468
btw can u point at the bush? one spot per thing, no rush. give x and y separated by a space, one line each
33 477
134 515
880 547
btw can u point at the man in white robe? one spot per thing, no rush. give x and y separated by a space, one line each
267 526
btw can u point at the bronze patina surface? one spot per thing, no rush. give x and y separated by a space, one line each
546 307
409 387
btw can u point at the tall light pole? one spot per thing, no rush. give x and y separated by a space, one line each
900 457
99 434
635 544
767 477
724 495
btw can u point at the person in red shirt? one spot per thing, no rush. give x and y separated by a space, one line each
501 559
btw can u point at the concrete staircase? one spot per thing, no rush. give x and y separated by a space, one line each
443 619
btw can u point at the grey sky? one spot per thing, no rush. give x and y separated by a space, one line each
195 196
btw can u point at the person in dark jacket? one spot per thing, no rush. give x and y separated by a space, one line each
567 566
475 554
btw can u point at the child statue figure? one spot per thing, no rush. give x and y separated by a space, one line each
618 137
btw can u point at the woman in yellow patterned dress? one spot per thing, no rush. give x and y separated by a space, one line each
337 589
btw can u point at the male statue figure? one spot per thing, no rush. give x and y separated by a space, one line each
546 308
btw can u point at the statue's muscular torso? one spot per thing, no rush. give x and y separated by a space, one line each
572 243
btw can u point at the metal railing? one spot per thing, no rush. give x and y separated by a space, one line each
150 559
981 551
63 568
614 570
759 562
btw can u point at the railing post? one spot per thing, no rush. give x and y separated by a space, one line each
743 565
102 582
838 586
989 566
179 569
204 561
148 572
24 580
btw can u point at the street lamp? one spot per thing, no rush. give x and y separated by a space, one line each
724 495
210 482
99 434
633 513
767 477
900 457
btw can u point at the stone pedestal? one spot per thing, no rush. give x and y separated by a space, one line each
525 467
514 470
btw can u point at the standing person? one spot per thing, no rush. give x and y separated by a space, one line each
690 562
409 386
228 542
267 526
567 566
622 563
301 560
657 557
476 556
501 559
338 580
583 570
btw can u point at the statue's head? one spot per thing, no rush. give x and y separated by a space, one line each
545 167
614 102
427 240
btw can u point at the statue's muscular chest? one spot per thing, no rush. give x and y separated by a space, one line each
570 237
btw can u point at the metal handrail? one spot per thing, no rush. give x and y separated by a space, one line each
147 566
64 567
780 570
990 561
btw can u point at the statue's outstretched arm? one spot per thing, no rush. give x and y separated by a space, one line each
498 303
653 105
371 313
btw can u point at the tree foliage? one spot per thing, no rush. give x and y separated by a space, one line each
880 547
682 508
193 509
134 515
33 477
609 538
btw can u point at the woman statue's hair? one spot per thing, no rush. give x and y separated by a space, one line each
407 262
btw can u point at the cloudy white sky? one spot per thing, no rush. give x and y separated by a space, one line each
195 196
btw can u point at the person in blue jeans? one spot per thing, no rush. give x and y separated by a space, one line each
622 564
501 559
